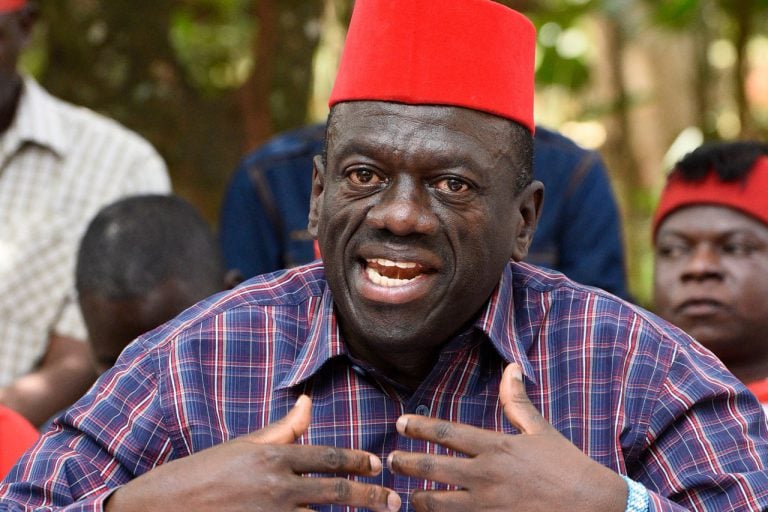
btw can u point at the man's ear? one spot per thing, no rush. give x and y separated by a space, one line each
232 278
316 202
27 18
530 201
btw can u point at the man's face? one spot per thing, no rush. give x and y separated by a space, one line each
711 279
112 324
416 214
15 28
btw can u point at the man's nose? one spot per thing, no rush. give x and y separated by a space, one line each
705 262
404 208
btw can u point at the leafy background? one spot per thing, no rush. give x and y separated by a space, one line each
642 81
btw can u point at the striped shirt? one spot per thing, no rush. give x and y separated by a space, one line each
58 165
631 391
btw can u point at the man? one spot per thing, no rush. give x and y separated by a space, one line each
263 218
711 246
60 164
397 375
142 261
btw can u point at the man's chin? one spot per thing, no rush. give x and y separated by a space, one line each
715 338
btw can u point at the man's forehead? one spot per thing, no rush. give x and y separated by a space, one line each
348 116
416 109
714 218
428 126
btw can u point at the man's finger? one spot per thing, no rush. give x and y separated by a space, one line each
288 429
456 436
518 409
341 491
327 459
445 501
457 471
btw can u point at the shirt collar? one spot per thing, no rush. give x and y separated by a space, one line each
323 342
497 321
36 120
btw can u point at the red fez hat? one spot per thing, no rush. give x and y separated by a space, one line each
11 5
747 196
476 54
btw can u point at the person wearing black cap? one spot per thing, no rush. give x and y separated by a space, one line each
421 366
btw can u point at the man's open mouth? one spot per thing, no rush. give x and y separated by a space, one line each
390 273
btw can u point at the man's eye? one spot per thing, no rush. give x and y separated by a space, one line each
364 177
738 249
452 185
671 250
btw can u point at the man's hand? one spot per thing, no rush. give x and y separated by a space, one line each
64 374
538 470
260 471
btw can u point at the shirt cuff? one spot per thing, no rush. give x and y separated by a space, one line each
637 496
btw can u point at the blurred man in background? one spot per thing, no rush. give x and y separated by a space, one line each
143 260
60 163
710 234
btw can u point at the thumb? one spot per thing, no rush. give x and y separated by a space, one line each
518 409
288 429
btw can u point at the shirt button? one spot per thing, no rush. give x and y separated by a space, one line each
422 410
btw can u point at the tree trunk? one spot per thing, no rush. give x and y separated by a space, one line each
254 94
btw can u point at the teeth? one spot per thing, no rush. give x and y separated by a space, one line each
385 281
390 263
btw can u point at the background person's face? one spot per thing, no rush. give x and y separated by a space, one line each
417 216
711 279
113 323
14 33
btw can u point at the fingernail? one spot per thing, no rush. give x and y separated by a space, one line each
516 373
402 422
375 464
393 501
389 460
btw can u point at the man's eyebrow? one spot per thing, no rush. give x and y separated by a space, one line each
685 233
741 232
375 150
353 147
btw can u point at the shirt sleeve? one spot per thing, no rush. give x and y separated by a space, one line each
142 172
146 173
591 249
248 240
705 445
113 434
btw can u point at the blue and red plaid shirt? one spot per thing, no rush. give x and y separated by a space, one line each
631 391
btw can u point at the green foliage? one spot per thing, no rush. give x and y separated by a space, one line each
298 36
554 69
212 41
676 14
177 70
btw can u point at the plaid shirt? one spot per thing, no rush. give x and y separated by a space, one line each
59 164
634 393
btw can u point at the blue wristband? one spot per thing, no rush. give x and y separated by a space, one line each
637 496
